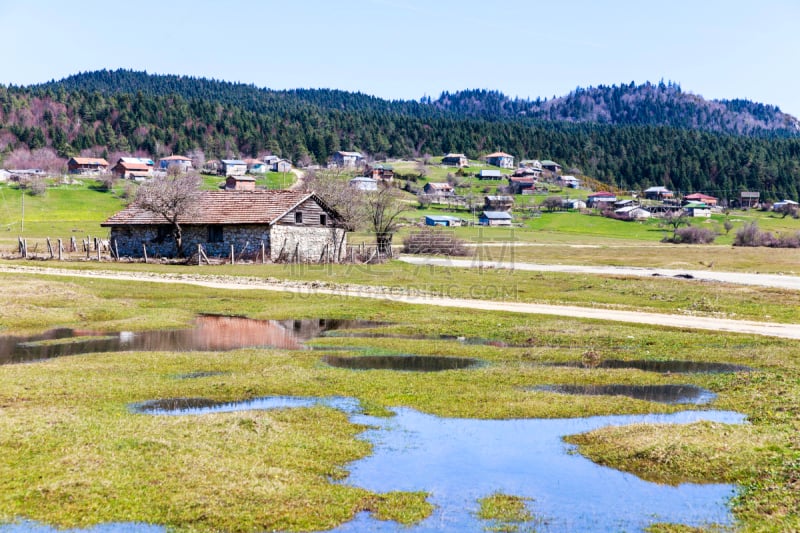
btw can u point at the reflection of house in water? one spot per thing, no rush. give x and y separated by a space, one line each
231 332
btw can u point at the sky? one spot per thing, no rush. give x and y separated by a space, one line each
407 49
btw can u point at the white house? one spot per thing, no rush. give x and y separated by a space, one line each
364 183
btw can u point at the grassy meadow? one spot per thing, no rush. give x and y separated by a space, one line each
72 454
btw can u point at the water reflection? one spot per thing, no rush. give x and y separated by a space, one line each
459 461
664 367
410 363
650 393
210 333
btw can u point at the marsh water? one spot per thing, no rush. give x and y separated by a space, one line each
458 461
210 333
407 363
651 393
664 367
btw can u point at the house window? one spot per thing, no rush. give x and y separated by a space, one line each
298 217
215 234
323 220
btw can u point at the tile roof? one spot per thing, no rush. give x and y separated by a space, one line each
233 162
352 154
440 185
497 215
175 158
130 165
226 207
498 154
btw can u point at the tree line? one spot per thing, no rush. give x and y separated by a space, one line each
161 115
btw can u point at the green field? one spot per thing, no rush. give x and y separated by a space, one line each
74 455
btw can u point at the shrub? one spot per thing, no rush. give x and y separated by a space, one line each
749 235
694 235
433 241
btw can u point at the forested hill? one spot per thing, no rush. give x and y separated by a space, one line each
110 113
648 104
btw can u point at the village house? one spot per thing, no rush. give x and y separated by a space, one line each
490 175
573 203
233 167
455 160
256 166
521 185
437 190
240 183
500 159
699 197
212 166
270 160
749 198
184 164
131 168
282 165
777 206
292 225
382 172
5 175
442 220
364 183
697 209
534 164
658 193
527 172
87 165
498 203
633 212
601 200
347 159
552 166
569 181
495 218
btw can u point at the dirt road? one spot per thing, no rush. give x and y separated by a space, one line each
788 331
741 278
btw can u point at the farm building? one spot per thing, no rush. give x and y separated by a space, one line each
633 212
534 164
382 172
240 183
455 160
292 225
573 203
500 159
569 181
87 165
495 218
697 209
749 198
256 166
270 160
490 175
347 159
699 197
521 185
131 168
438 190
364 183
282 165
233 167
179 161
658 193
527 172
777 206
442 220
498 203
552 166
601 199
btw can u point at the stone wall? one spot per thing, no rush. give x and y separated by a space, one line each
294 243
306 244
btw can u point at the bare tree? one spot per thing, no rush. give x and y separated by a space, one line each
553 203
384 207
198 158
675 219
349 202
173 197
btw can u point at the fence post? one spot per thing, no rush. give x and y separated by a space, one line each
263 253
50 248
116 251
233 258
199 254
60 250
144 247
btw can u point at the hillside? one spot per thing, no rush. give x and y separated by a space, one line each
107 113
646 105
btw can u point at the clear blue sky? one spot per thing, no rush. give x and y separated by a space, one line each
405 49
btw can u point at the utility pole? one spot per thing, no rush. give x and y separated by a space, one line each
22 225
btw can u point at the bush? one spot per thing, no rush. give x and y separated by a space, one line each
749 235
693 235
433 241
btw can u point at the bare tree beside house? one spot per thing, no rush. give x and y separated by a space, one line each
349 202
384 208
173 197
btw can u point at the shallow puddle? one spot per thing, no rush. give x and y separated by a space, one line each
460 461
664 367
651 393
409 363
210 333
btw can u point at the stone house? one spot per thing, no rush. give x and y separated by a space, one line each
291 225
455 160
438 190
498 203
